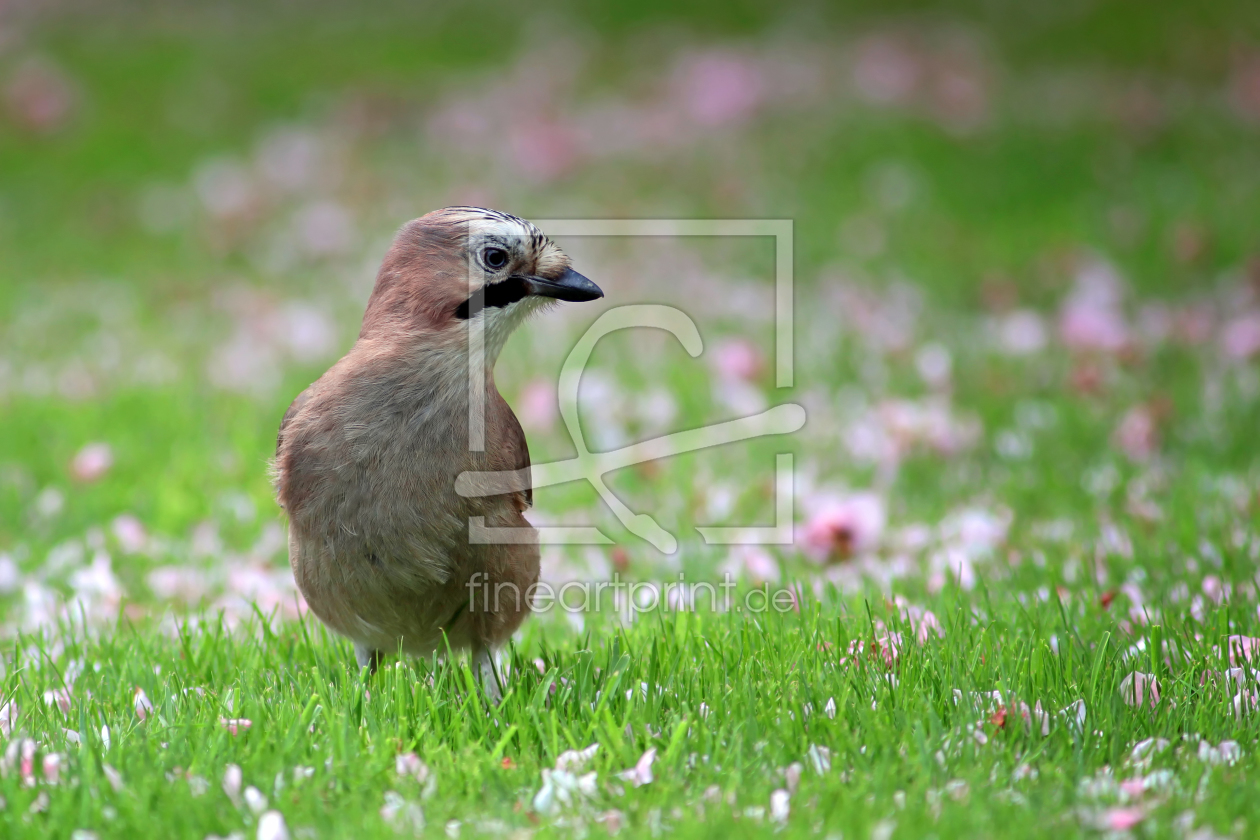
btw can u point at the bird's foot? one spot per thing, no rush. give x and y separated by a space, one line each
367 657
488 674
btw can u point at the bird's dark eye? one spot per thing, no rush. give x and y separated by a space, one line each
495 257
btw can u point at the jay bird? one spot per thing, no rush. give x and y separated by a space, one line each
367 457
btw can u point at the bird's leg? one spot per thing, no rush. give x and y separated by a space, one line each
367 657
487 673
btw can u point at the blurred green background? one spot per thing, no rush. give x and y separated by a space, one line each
1027 272
193 201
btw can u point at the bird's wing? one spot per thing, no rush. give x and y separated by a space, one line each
520 451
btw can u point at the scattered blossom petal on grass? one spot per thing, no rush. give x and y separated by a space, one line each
271 826
1139 688
235 725
143 707
641 773
92 462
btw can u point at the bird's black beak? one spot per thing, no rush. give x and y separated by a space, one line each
569 286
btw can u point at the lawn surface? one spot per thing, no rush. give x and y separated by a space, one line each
1021 600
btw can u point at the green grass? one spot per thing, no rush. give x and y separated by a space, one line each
721 698
110 332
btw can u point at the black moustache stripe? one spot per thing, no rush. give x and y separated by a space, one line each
493 296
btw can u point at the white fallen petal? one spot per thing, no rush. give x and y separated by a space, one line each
60 698
232 779
1144 751
409 764
401 814
1245 702
271 826
255 800
1227 752
1075 714
1041 716
574 760
545 800
780 806
586 785
52 768
819 759
8 718
792 775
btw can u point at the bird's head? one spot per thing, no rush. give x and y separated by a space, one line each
457 265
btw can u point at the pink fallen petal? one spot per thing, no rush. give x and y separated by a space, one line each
26 767
292 159
887 70
926 626
1244 86
935 365
1240 339
92 462
1243 649
1133 787
752 562
39 96
1086 327
1123 819
843 527
225 187
720 88
179 583
130 533
538 406
1021 333
1139 688
738 359
60 698
611 820
641 773
324 228
52 768
410 764
234 725
143 707
1137 436
543 149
